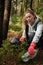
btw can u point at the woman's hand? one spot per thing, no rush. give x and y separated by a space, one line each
22 39
31 48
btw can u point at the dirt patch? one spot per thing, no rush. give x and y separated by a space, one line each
12 34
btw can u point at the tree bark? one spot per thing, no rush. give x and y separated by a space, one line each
6 18
31 4
16 6
1 18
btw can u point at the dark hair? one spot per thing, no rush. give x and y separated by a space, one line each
30 11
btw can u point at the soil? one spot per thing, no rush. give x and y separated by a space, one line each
38 60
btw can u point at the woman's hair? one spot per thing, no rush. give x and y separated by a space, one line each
24 22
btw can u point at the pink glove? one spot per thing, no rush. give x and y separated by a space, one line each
31 48
22 39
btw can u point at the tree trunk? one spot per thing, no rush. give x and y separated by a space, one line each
22 7
26 3
1 18
31 4
16 6
6 18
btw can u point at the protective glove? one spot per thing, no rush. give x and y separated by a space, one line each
22 39
31 48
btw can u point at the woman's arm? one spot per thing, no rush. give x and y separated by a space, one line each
38 33
23 37
35 39
24 34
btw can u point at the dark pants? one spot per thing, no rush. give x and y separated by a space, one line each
15 40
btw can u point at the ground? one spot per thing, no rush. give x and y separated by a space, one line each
38 60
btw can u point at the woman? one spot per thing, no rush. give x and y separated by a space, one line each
34 33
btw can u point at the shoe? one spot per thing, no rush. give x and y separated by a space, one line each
26 57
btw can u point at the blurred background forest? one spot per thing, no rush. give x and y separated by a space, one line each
18 8
11 15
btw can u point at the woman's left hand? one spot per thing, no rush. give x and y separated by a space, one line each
31 50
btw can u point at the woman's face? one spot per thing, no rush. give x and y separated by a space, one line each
30 18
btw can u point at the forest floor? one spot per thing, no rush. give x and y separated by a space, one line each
38 60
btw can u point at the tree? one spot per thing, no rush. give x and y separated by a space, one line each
16 6
26 4
31 2
6 18
1 18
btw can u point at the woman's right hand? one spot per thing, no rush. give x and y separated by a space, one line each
22 39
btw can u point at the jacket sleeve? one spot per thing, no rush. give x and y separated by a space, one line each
38 33
24 34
